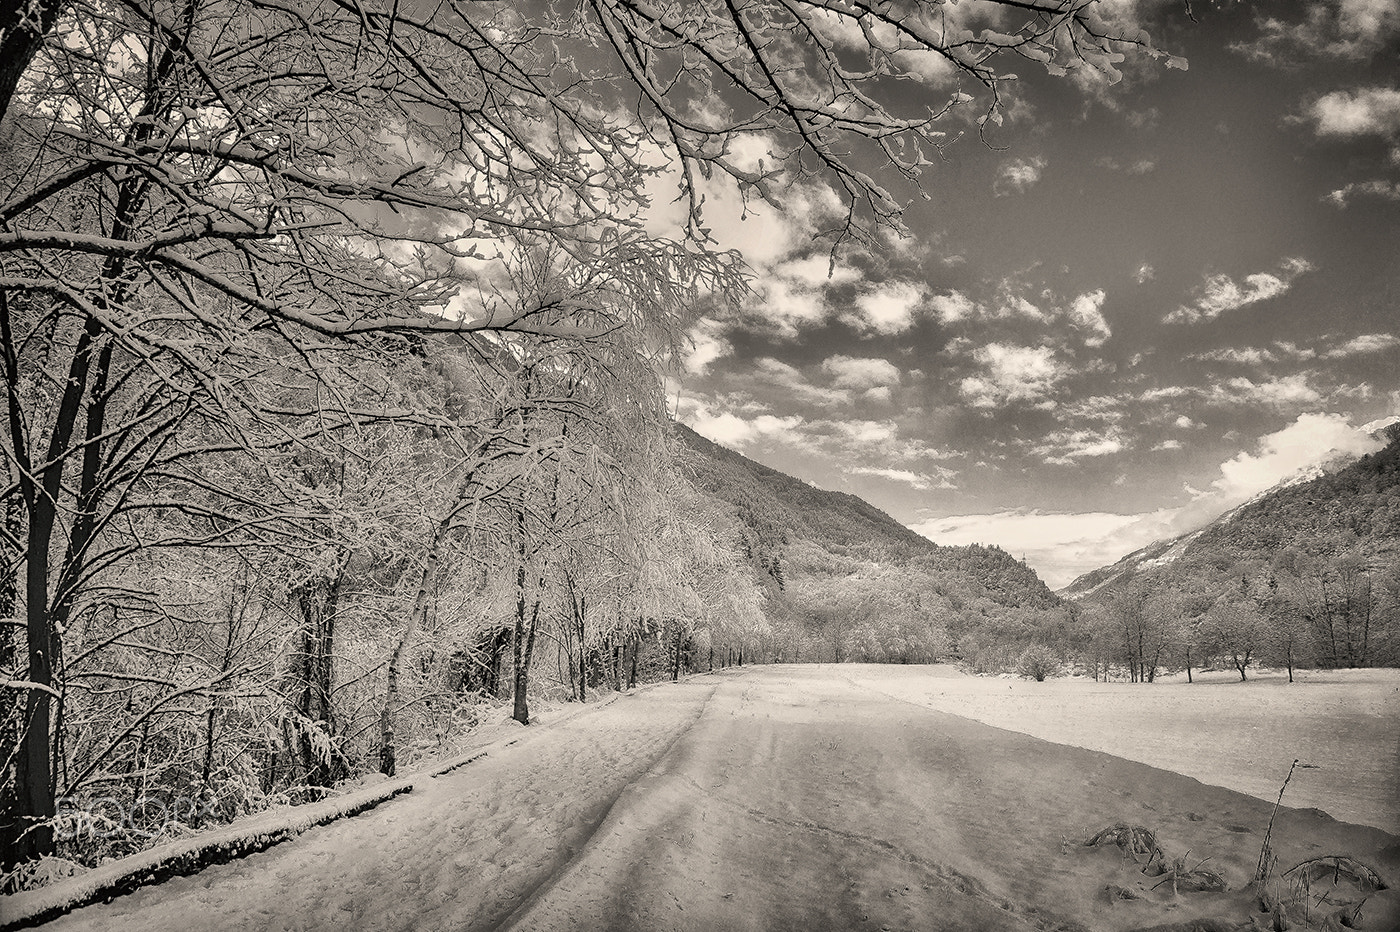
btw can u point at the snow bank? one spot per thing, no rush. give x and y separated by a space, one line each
218 846
189 855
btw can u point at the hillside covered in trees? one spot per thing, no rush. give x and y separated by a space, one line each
845 581
1307 574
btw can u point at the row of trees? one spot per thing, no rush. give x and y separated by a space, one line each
1298 610
251 609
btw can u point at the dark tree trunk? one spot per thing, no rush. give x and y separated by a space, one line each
522 656
34 775
482 673
10 716
23 26
312 672
388 745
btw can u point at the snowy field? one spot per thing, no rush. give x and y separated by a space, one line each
1243 736
800 797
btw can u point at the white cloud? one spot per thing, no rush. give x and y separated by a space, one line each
1107 408
1365 111
918 480
817 271
1330 30
1144 274
890 307
1293 350
1289 391
1167 445
1284 350
859 36
1185 423
867 433
764 233
791 273
1220 293
1245 356
1166 391
736 431
1006 305
785 304
1017 175
1365 343
1309 440
1011 374
791 380
850 372
1063 447
1087 313
952 307
707 345
1376 188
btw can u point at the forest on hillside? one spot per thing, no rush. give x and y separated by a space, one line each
846 582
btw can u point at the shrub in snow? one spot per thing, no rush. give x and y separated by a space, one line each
31 875
1037 662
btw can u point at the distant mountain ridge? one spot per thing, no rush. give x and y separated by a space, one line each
1342 505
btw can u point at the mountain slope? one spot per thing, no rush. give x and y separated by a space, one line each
1354 509
845 580
836 518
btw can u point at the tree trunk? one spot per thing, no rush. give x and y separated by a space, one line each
312 671
22 30
1240 665
432 566
523 651
10 717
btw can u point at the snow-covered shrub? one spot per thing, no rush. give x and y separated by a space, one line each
1037 662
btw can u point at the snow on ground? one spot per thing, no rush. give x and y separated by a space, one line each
1243 736
461 848
780 797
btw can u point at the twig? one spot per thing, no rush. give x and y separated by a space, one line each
1261 870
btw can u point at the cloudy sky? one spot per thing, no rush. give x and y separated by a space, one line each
1132 307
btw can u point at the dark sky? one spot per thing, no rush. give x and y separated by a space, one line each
1132 306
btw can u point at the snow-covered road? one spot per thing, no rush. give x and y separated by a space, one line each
782 797
459 852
